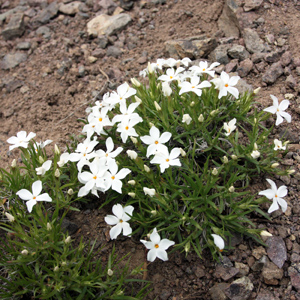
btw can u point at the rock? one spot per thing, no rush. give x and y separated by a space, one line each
45 15
114 51
245 67
217 292
272 73
10 12
252 4
125 4
92 59
271 273
107 25
102 41
70 8
291 82
276 250
239 52
265 295
240 289
194 47
108 5
12 60
226 273
243 87
294 273
259 252
44 31
243 269
23 46
13 85
231 66
15 27
228 20
257 57
252 40
286 58
270 39
220 54
272 57
259 265
99 53
68 226
142 60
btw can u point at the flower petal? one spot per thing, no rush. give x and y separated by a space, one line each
37 188
126 229
282 203
282 191
30 204
154 237
152 255
118 211
115 231
111 220
165 244
270 194
273 207
24 194
162 254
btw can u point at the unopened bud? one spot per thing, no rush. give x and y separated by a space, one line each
158 108
70 192
110 272
214 112
151 124
255 120
13 163
135 82
57 173
68 240
192 104
132 195
41 160
289 172
137 99
275 165
225 159
24 252
49 227
56 150
285 143
231 189
182 152
201 118
131 182
265 233
187 247
146 168
150 70
63 264
132 154
10 217
234 157
134 140
214 172
153 212
255 146
56 269
256 91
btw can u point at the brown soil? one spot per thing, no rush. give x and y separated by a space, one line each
37 96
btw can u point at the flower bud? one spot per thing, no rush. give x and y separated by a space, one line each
110 272
225 159
41 160
201 118
275 165
10 217
134 140
255 146
70 192
24 252
214 172
192 104
231 189
49 227
256 91
182 152
131 182
137 99
132 195
234 157
13 163
214 112
158 108
68 240
56 269
285 143
265 233
146 168
255 120
150 70
135 82
151 124
153 212
56 150
57 173
63 264
131 154
187 247
167 91
289 172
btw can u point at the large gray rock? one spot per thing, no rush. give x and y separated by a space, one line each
12 60
239 52
15 27
252 4
107 25
240 289
193 47
220 54
10 12
272 73
277 250
252 40
228 20
45 15
71 8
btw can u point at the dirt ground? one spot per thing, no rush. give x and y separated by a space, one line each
49 91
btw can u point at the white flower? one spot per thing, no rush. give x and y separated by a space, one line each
64 158
275 195
113 178
21 140
279 110
57 173
171 75
186 118
150 192
35 196
44 168
110 153
255 154
194 86
157 247
225 85
166 159
167 91
132 154
124 91
41 145
278 145
126 129
203 68
155 140
185 61
230 126
127 113
119 220
219 242
265 233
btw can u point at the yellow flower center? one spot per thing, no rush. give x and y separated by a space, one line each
276 196
113 177
193 87
156 246
226 85
203 70
121 221
95 177
106 154
126 127
167 160
156 142
100 119
34 198
171 77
